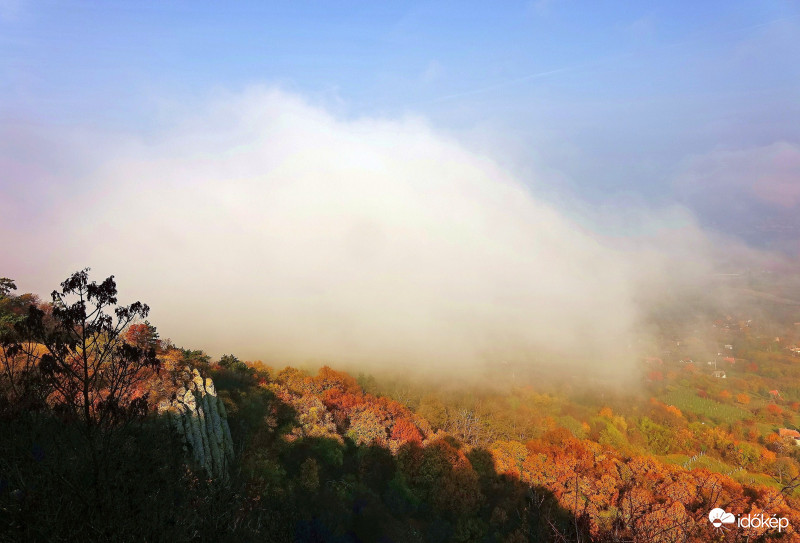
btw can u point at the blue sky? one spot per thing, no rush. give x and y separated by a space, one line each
392 58
586 101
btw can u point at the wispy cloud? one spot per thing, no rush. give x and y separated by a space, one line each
751 192
643 29
541 7
768 173
432 72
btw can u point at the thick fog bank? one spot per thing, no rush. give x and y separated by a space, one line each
265 226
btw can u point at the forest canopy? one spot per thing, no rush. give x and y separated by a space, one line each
326 456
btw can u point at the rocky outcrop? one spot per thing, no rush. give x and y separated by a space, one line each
199 417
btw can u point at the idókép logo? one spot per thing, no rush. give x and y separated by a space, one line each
718 517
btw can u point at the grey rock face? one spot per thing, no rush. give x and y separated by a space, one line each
199 417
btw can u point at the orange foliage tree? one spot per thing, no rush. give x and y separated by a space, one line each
91 371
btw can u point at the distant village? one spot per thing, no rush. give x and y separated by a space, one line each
723 355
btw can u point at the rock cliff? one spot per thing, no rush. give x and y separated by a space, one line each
200 419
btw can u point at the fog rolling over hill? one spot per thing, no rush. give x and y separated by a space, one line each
267 225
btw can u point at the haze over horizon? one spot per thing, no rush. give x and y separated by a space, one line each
428 182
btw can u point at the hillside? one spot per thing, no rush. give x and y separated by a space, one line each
322 455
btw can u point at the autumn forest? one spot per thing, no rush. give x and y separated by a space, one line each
399 272
112 432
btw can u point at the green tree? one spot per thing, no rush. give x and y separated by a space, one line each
659 438
309 475
195 358
6 286
229 361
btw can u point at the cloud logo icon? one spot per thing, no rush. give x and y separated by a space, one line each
718 517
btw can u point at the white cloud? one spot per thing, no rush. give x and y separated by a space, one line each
267 227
